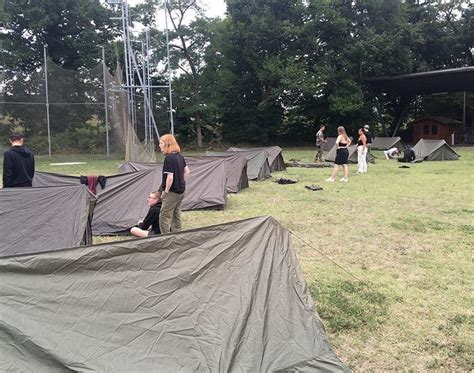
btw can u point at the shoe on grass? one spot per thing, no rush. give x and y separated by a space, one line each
345 179
330 179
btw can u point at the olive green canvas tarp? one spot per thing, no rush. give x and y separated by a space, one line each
40 219
225 298
331 155
236 169
275 156
258 167
434 150
385 143
237 178
120 205
205 186
330 142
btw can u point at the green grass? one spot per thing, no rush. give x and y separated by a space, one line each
401 294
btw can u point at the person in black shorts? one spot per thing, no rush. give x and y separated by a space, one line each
173 184
342 155
152 219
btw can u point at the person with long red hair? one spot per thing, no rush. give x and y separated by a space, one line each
173 184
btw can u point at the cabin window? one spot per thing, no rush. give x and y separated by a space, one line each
434 129
426 129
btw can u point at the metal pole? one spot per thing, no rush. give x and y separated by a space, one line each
106 103
463 140
47 96
169 67
125 57
145 92
149 91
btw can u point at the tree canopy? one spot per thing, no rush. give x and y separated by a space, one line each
270 71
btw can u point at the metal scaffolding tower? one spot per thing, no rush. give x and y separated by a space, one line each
137 73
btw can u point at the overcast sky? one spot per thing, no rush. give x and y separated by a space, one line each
214 8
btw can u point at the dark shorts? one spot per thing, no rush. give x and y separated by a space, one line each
342 156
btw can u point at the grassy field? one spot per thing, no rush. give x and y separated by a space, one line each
388 256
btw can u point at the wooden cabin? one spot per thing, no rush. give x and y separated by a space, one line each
436 128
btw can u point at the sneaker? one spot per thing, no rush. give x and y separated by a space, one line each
344 179
330 179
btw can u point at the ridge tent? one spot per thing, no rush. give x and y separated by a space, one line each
434 150
41 219
258 167
275 156
331 141
236 170
237 178
385 143
120 205
224 298
205 186
331 155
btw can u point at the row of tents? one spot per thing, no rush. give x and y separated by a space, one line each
66 213
426 150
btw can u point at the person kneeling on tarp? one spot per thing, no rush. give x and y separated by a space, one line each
152 219
408 155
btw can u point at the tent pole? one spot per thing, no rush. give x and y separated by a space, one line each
105 102
463 140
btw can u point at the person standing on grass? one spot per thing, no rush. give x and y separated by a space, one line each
173 184
370 138
361 152
342 155
18 164
152 219
320 141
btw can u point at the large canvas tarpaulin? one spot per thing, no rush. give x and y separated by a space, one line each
236 170
434 150
120 205
385 143
225 298
258 167
40 219
330 142
237 178
331 155
205 186
275 156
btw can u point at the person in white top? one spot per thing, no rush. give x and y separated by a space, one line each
391 153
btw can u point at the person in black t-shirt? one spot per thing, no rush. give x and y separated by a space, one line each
173 184
152 219
408 155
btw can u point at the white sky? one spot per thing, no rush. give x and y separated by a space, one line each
214 8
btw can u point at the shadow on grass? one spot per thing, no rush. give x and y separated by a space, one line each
346 305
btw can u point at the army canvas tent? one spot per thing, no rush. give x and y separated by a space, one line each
205 186
385 143
41 219
258 167
434 150
237 178
331 155
236 169
275 156
120 205
330 142
225 298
